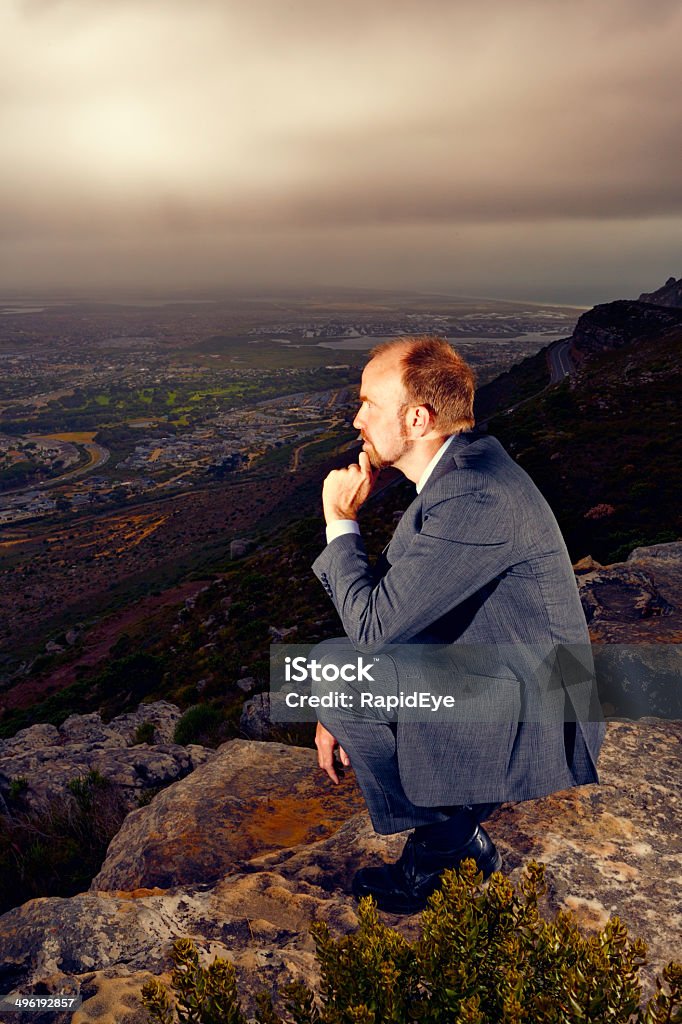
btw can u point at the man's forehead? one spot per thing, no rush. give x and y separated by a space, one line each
384 372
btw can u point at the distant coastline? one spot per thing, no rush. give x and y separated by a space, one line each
367 342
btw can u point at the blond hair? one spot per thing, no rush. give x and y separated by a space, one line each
435 376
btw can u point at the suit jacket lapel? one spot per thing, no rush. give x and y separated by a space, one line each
410 522
448 462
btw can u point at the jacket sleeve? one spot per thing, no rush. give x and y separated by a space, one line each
464 543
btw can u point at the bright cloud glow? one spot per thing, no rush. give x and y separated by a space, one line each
250 131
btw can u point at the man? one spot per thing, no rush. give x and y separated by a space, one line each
476 560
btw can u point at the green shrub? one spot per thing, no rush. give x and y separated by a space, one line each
485 956
57 849
199 724
17 788
86 789
144 733
147 795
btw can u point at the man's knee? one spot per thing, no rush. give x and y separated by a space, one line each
331 647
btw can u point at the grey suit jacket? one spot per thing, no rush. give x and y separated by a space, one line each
478 559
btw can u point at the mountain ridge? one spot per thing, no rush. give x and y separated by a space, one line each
669 294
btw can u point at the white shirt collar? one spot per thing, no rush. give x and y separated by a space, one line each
432 464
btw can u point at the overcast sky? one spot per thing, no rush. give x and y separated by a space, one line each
527 149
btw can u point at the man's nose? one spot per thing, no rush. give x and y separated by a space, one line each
358 421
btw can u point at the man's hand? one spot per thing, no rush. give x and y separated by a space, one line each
325 743
345 490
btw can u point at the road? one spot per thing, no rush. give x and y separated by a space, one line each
97 454
560 365
560 362
296 461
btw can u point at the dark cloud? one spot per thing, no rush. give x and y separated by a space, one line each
331 126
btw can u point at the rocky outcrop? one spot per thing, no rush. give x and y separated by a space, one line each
609 849
621 593
255 722
637 601
635 621
259 921
244 853
669 294
44 759
658 554
251 797
614 324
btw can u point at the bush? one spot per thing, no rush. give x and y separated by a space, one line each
144 733
139 673
57 849
199 724
485 956
17 788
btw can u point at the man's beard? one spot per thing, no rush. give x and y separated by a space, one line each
375 460
379 461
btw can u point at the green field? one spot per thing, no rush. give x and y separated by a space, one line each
183 403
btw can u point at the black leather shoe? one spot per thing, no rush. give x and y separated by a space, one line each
404 887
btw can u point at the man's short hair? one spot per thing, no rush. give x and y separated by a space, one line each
436 376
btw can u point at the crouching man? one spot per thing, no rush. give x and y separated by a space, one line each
476 560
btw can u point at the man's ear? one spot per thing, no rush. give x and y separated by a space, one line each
419 420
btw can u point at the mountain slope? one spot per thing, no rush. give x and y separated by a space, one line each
614 324
604 446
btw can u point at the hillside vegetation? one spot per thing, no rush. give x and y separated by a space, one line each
605 448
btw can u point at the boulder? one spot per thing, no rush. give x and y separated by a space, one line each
656 553
35 737
255 721
247 684
239 548
586 564
250 797
162 715
89 729
612 849
73 635
282 633
258 921
637 601
133 769
621 594
49 758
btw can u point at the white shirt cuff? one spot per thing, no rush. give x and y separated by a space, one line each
338 527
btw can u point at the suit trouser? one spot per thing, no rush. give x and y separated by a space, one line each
369 739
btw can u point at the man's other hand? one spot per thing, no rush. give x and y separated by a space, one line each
325 743
345 490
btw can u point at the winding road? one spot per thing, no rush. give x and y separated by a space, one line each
98 456
560 362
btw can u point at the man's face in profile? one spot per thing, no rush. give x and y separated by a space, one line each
381 418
